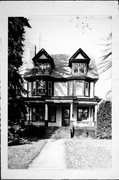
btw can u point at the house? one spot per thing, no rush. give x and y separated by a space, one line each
62 90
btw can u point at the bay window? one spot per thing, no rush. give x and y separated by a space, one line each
33 88
41 87
87 88
78 88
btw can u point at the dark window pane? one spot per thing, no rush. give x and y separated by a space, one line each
82 114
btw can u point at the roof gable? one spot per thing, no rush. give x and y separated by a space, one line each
43 57
79 56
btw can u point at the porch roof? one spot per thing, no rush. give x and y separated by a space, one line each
63 99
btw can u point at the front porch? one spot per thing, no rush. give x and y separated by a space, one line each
62 112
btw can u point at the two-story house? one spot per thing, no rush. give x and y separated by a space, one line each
62 91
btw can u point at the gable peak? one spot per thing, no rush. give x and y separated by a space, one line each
79 56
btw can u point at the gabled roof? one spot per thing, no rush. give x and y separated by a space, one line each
79 56
63 71
43 56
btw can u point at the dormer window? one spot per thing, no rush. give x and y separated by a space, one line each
79 68
44 68
79 63
43 62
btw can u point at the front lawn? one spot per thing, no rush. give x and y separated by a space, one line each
88 153
20 156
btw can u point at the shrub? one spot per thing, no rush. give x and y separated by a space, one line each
104 120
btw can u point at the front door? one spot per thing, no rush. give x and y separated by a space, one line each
65 116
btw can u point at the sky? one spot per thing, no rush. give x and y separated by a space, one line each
66 34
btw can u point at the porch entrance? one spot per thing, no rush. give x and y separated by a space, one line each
65 116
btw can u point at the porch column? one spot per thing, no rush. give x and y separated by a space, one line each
71 112
90 116
95 121
46 114
95 113
30 115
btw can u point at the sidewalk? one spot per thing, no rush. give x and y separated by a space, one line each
52 156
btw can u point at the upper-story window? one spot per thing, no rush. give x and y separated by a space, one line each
44 68
79 68
33 88
78 88
40 87
87 88
49 88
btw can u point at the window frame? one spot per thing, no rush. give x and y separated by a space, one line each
32 88
37 87
50 88
86 82
79 64
36 111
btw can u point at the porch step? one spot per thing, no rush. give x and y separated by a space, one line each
57 132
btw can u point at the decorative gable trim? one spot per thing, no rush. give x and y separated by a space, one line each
42 56
79 56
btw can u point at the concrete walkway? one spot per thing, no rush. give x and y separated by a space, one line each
52 156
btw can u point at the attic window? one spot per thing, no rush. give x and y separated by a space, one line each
79 68
76 68
44 68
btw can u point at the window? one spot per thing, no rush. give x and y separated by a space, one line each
29 88
76 67
79 88
86 88
44 68
52 114
41 87
79 68
50 88
47 68
33 88
82 68
38 113
82 114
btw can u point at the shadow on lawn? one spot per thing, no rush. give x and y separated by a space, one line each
30 134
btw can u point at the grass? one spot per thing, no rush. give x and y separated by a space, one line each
88 153
19 157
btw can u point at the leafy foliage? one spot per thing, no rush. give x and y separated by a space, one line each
104 120
16 37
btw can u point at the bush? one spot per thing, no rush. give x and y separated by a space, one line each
104 120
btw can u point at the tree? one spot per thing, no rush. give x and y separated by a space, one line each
104 120
16 37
